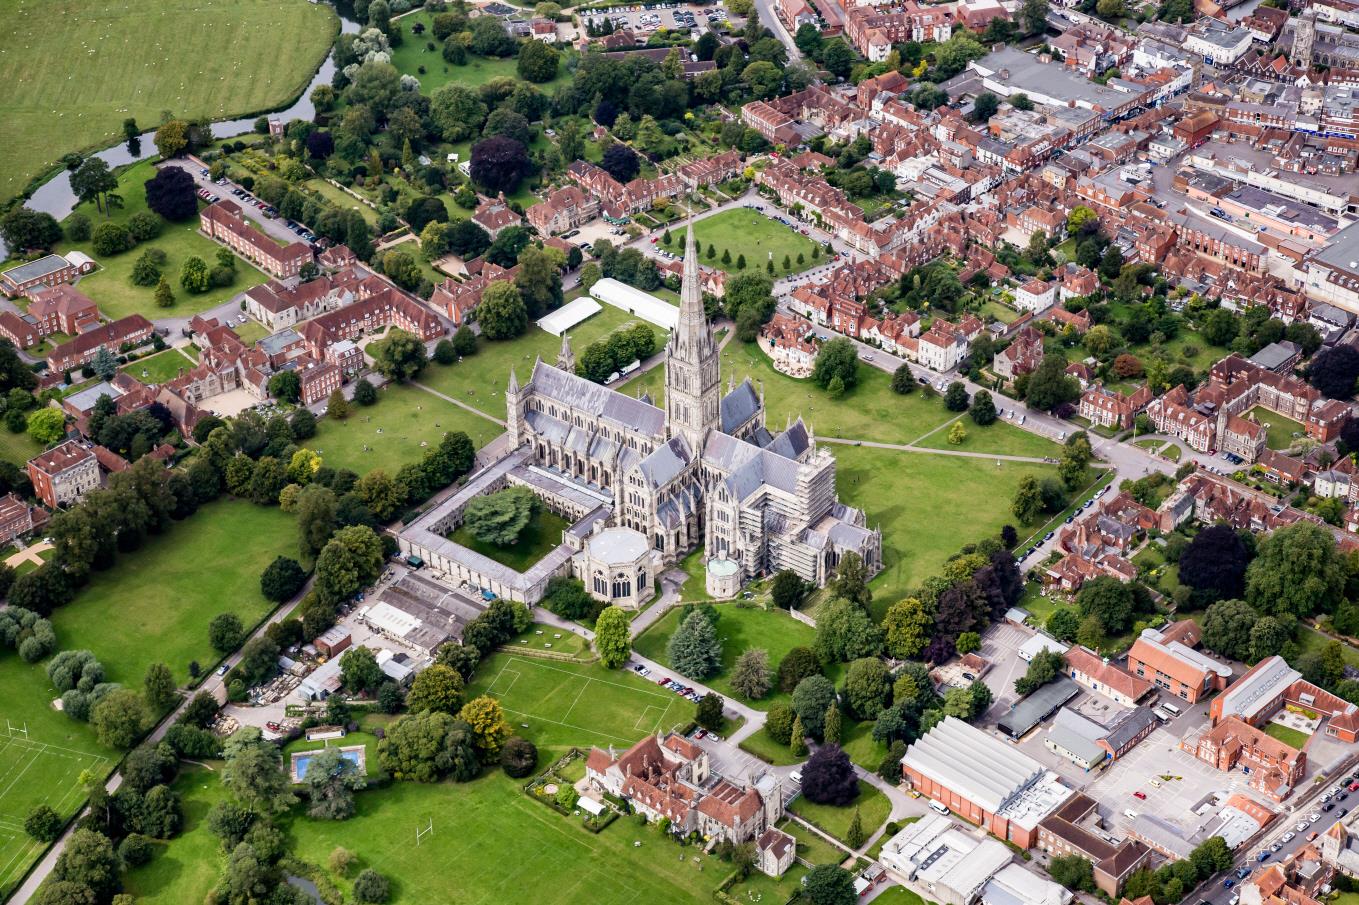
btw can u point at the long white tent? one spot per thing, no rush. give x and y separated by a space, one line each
568 315
635 301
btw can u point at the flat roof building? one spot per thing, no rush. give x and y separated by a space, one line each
1035 708
1166 657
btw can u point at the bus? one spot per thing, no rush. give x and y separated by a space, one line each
1171 708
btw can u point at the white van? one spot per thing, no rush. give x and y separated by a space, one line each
940 808
1171 708
1161 715
1130 814
796 777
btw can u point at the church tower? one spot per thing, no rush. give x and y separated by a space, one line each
692 390
566 359
1304 36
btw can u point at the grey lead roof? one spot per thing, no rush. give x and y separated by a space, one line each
666 462
792 443
611 405
739 406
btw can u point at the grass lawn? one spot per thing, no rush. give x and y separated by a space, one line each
160 367
899 895
1164 576
414 53
111 286
40 769
155 604
856 738
480 380
998 437
18 448
492 843
766 749
540 536
760 886
341 199
1294 738
872 805
1279 431
742 231
549 637
186 867
739 629
927 507
76 69
251 332
811 846
396 430
1309 639
556 704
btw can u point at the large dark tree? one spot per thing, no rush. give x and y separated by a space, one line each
828 777
621 163
1214 564
172 194
23 229
320 144
466 239
1334 371
425 210
498 163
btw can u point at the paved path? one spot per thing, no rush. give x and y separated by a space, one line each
446 398
29 554
910 447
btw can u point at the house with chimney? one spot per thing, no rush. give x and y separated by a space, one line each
1110 408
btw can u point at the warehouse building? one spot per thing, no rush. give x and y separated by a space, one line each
1035 708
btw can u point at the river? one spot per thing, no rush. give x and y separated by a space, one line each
56 198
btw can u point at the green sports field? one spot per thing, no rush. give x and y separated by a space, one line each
74 69
558 704
741 231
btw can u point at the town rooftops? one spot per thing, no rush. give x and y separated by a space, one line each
1163 650
1091 664
1342 252
1073 732
1259 687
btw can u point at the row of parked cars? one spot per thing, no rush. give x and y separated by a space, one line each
683 691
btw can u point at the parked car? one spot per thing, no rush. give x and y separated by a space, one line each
1140 796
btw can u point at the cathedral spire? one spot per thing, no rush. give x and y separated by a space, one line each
691 286
566 359
692 390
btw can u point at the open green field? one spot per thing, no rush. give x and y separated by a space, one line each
742 231
927 506
414 53
555 704
396 430
186 867
75 69
480 380
18 448
739 630
899 895
856 738
111 286
872 805
999 437
160 367
550 638
341 200
155 604
1280 432
42 768
1291 737
770 751
1310 640
541 536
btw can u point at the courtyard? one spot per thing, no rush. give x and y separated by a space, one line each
1280 432
160 367
742 231
541 536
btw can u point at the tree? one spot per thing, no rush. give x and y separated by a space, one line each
837 57
519 757
46 425
165 296
399 356
426 746
694 649
1268 637
868 687
621 162
828 777
537 61
171 138
350 561
985 107
796 665
1214 564
371 886
359 670
499 163
173 194
502 313
788 589
983 409
465 341
92 181
1063 624
1227 627
43 824
282 579
1334 371
1074 872
118 718
285 385
750 675
1028 501
253 772
1045 666
364 392
1109 600
194 275
850 581
708 713
903 381
438 688
499 518
968 642
88 860
837 358
844 632
489 728
28 230
778 724
225 632
613 637
1034 14
110 239
159 686
907 625
1296 571
957 434
955 398
330 783
1050 385
810 700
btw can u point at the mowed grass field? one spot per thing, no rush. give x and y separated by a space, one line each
155 604
555 704
186 867
390 433
40 768
75 69
480 379
160 367
742 231
414 53
111 286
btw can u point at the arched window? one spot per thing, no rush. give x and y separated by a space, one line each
641 580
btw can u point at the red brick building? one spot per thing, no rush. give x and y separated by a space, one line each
63 474
131 330
223 221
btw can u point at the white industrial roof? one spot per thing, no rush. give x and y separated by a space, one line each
568 315
1039 643
635 301
1014 883
976 765
387 618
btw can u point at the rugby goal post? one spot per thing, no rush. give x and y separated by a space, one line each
422 832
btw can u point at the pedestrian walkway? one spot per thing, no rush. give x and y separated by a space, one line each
460 404
908 447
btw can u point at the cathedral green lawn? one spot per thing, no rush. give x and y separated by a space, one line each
185 868
76 68
560 704
541 536
480 380
927 506
739 629
406 417
43 768
998 438
155 604
111 286
872 805
741 231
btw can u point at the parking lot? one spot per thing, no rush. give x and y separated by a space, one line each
643 20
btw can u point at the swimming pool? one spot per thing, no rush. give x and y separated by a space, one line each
302 759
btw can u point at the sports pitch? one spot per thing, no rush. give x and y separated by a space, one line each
564 704
33 772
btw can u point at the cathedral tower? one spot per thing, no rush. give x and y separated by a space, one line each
692 390
1304 36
